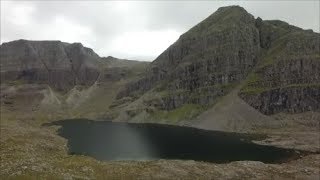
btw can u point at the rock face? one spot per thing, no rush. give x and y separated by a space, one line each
278 64
288 77
292 99
59 64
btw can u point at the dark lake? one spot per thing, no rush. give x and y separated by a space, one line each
123 141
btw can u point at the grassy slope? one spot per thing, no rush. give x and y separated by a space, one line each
98 105
183 113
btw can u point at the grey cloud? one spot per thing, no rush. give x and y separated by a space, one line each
109 20
100 17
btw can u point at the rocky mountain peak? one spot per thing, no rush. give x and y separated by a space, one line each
225 16
220 52
231 11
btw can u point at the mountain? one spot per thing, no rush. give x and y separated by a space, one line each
61 65
273 67
60 78
221 50
276 65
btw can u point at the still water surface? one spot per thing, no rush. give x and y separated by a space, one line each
123 141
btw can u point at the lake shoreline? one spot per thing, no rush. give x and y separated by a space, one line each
238 138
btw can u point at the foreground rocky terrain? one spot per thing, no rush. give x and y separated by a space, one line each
231 72
30 150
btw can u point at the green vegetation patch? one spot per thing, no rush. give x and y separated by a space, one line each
17 82
185 112
258 90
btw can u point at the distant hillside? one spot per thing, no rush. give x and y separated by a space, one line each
116 69
116 62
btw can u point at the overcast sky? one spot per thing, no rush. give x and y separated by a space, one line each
132 30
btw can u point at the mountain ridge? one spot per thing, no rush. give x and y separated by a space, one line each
227 49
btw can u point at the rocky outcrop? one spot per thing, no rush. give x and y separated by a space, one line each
292 99
58 64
